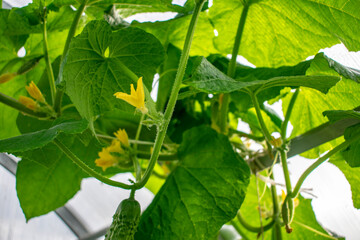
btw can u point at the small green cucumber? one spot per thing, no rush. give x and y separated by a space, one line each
125 221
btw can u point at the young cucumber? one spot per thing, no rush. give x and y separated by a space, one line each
125 221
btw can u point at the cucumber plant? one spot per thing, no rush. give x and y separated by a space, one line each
78 105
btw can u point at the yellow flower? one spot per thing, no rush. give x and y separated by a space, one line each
29 103
7 77
106 160
136 98
123 137
115 147
34 91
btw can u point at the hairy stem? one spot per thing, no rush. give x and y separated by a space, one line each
264 129
173 96
318 162
12 102
71 34
87 169
137 166
232 67
276 234
49 69
288 114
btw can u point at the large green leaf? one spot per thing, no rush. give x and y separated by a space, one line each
46 179
41 138
305 225
201 194
174 32
351 174
309 106
285 32
92 78
352 153
207 77
336 115
126 7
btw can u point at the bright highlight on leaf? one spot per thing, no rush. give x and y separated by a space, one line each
35 92
29 103
136 97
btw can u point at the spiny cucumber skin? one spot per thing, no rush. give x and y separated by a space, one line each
125 221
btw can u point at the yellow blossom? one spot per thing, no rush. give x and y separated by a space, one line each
136 97
115 147
7 77
106 160
123 137
34 91
29 103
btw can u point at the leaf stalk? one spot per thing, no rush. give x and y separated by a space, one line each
173 96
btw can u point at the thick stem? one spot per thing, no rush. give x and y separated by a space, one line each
252 228
239 230
71 34
87 169
20 107
264 129
283 159
276 212
232 67
318 162
137 166
247 135
173 96
49 69
288 114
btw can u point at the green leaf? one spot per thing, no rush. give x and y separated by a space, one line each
305 225
351 174
92 78
46 179
41 138
285 32
174 31
208 78
321 63
201 194
309 106
352 153
336 115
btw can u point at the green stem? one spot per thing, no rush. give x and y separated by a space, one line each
318 162
49 69
232 68
283 159
71 34
173 96
247 135
137 166
277 235
87 169
264 129
288 204
252 228
239 230
20 107
288 114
